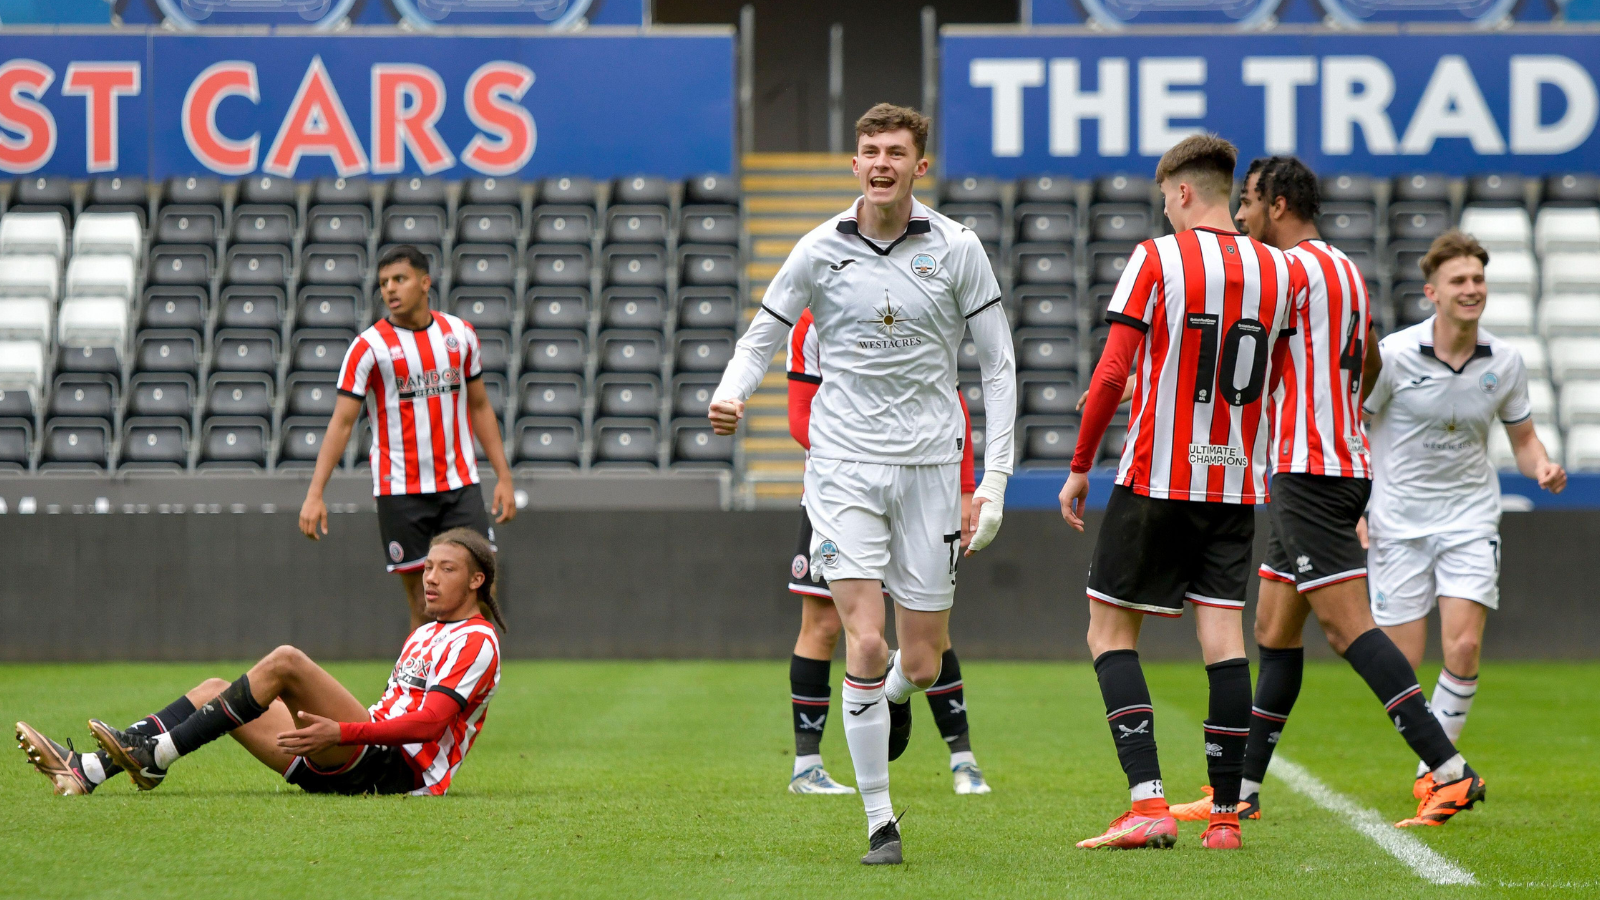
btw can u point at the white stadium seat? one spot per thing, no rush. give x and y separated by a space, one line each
1583 449
1500 454
25 233
1571 273
26 318
101 276
1542 398
1574 358
1508 313
1580 403
94 322
22 365
1533 354
108 233
30 276
1561 230
1498 228
1569 315
1512 272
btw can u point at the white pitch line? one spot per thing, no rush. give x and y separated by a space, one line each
1421 858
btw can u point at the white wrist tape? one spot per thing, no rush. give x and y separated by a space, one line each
993 491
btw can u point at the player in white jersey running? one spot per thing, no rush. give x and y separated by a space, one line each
892 286
421 374
1320 485
298 720
1434 521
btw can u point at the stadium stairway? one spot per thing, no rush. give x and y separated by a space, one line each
786 195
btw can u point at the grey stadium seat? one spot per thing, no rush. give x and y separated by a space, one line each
573 190
635 264
331 264
554 351
233 443
1119 222
708 307
252 306
563 224
502 190
557 307
239 394
1497 189
118 193
43 193
1572 188
488 225
262 225
302 441
702 264
1042 264
695 444
630 351
177 306
246 350
1340 222
1048 393
256 264
265 189
311 394
418 190
970 189
188 225
102 358
16 444
76 444
633 307
1046 307
641 190
85 396
550 395
1123 189
495 347
330 306
559 264
1047 189
1046 223
1106 262
319 349
159 443
167 351
711 188
548 443
339 224
702 351
972 393
479 265
178 264
691 394
628 395
709 225
161 394
341 190
197 189
1047 349
413 225
1047 441
1351 188
630 443
636 224
485 308
1424 186
982 218
1418 221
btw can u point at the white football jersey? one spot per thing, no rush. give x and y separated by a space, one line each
889 319
1430 435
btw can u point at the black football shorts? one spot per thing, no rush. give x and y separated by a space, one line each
408 522
373 770
1312 540
1152 555
801 579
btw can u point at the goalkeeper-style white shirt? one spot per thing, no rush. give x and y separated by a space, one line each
889 320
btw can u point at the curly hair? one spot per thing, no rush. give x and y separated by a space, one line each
1289 178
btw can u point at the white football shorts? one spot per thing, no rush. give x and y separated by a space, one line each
900 525
1407 577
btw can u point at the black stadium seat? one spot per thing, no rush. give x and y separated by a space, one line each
417 190
982 218
559 264
1046 223
160 443
636 224
1047 189
626 442
262 225
633 307
641 190
567 190
84 396
479 265
413 225
167 351
118 193
1421 186
635 264
330 306
267 190
188 225
16 444
563 224
161 394
319 349
76 444
711 188
630 351
702 351
302 441
338 224
233 443
330 264
488 225
548 443
43 193
1047 441
691 394
708 307
177 306
180 264
702 264
709 225
492 191
550 394
310 394
341 190
696 445
970 189
554 351
1123 189
1042 264
485 308
251 306
256 264
196 189
557 307
628 395
239 394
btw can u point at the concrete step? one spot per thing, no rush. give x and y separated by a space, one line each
782 162
832 183
826 205
772 248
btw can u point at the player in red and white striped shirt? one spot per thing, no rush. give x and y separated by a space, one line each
420 374
297 719
1208 311
1320 486
809 691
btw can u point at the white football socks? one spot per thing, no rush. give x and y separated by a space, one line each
1147 790
802 763
1452 700
166 751
1248 787
897 687
962 756
92 769
866 731
1450 770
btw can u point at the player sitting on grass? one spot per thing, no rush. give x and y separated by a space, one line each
411 741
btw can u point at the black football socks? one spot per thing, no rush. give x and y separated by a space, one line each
809 698
156 723
948 701
1386 670
1132 720
1277 687
1227 729
228 710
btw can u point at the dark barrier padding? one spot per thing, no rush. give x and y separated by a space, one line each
613 584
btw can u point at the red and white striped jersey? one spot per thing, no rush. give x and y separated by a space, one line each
804 363
415 383
1212 303
1317 413
461 659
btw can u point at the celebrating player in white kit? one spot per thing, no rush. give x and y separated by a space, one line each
1434 521
893 286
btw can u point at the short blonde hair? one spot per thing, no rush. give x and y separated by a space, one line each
888 117
1206 161
1453 244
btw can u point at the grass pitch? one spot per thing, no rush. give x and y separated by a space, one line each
667 780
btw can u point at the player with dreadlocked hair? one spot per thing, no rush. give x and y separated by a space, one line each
297 719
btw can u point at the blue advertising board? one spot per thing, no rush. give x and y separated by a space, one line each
1014 104
297 106
329 15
